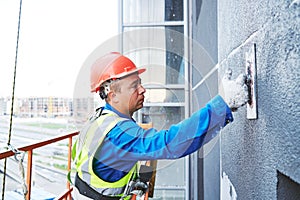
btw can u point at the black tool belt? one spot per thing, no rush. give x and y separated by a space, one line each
87 191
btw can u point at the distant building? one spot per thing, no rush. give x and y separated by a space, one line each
38 107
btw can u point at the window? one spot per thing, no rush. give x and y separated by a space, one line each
153 33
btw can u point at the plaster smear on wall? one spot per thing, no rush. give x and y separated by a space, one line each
227 189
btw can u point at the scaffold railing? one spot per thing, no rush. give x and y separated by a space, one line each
29 149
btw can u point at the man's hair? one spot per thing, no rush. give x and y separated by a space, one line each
115 86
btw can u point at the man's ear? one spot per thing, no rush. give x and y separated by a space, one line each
113 97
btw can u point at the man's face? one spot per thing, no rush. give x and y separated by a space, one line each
131 96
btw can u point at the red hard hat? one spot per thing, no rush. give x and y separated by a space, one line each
111 66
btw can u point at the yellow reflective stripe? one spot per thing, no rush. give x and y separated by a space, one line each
83 154
83 158
92 130
74 149
95 180
109 127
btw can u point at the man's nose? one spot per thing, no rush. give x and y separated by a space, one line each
141 89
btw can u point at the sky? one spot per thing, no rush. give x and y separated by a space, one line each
56 37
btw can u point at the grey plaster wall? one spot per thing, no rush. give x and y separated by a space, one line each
254 151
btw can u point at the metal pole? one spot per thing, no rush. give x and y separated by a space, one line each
29 172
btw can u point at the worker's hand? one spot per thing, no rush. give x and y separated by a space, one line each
234 92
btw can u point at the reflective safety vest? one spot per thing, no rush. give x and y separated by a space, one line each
84 150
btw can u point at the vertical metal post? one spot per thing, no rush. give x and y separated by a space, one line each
29 172
121 25
187 57
69 196
69 159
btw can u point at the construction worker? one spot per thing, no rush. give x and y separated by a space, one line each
111 144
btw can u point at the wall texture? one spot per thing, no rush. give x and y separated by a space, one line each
255 152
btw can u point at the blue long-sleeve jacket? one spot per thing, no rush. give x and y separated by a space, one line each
127 143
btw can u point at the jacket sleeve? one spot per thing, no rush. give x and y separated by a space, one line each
130 142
